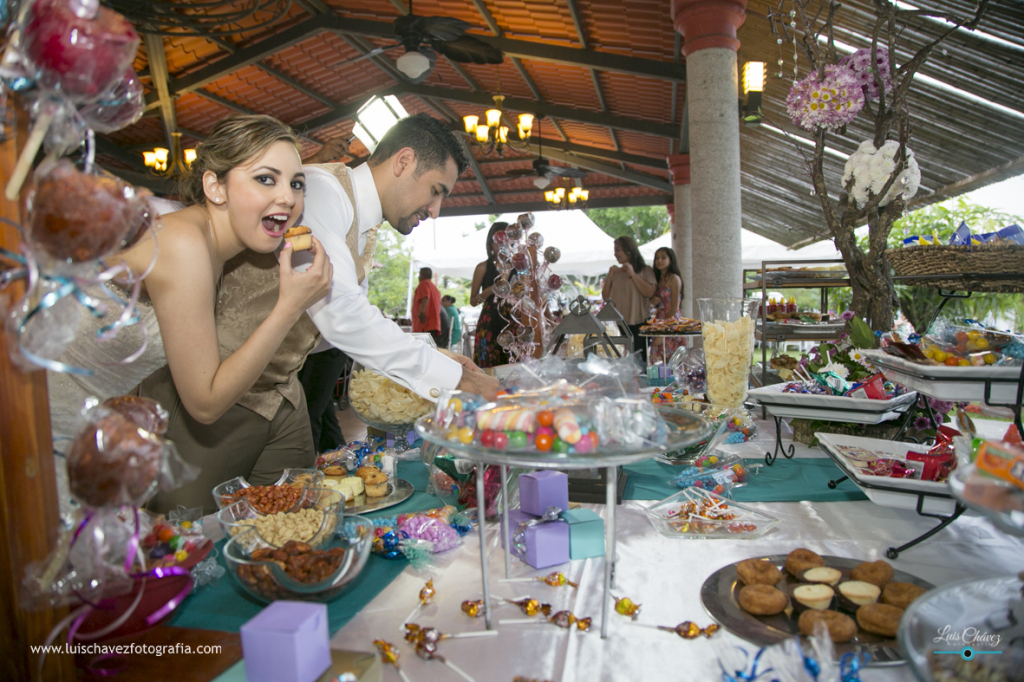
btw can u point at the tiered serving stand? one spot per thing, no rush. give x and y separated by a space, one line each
685 428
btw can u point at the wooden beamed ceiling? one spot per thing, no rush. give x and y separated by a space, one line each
610 82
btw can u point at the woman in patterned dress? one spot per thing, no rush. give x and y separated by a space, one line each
486 350
666 301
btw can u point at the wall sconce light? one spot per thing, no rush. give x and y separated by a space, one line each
753 86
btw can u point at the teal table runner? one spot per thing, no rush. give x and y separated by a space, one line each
225 606
792 480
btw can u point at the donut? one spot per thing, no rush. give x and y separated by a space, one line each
841 627
880 619
874 572
799 560
758 572
762 600
901 594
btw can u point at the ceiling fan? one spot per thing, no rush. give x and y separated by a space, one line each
544 171
424 37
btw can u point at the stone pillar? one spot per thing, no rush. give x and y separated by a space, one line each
679 169
709 27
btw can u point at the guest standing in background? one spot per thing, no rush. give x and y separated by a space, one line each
630 286
426 306
666 301
448 303
486 351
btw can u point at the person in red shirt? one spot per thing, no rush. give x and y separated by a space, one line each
426 306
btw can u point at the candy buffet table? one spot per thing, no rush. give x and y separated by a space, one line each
665 576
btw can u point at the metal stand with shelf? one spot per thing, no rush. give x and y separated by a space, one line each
782 281
945 520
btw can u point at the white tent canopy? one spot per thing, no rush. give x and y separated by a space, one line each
586 248
757 249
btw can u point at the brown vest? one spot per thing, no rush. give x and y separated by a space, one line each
248 293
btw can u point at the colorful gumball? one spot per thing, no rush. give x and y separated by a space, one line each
545 417
500 440
517 440
544 441
487 438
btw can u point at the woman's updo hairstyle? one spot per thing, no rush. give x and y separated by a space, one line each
233 142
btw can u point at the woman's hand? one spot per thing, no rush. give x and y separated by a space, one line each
628 269
613 269
299 290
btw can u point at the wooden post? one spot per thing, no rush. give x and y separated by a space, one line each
29 518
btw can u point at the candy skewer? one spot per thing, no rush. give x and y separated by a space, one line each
427 595
459 670
28 154
553 579
389 654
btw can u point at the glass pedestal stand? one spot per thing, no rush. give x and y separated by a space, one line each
685 429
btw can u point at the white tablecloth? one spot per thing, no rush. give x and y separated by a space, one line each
665 576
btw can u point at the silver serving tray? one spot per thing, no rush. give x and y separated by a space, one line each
399 490
718 594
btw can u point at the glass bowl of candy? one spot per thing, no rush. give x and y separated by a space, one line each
385 405
284 495
731 425
297 570
319 513
695 513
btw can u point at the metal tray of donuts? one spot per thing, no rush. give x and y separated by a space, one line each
719 596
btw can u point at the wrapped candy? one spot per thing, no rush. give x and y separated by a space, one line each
389 654
626 607
114 461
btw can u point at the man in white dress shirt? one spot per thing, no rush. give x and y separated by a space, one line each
409 174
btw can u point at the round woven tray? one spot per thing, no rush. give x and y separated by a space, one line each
997 268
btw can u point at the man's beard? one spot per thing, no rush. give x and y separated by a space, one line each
404 225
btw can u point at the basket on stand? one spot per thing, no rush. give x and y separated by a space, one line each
993 268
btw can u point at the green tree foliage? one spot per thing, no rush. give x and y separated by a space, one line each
941 220
643 223
389 283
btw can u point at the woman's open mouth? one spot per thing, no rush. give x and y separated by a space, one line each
275 225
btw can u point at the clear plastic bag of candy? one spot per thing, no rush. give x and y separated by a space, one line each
432 529
715 471
114 461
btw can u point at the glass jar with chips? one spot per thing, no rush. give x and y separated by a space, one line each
385 404
728 331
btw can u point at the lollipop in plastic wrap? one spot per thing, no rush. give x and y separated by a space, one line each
122 106
78 48
146 413
115 461
80 217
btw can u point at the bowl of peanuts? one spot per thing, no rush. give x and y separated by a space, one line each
297 570
315 518
284 495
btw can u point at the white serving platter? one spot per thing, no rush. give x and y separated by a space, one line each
905 491
829 407
949 383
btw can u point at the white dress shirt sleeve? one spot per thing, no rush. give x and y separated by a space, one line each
345 316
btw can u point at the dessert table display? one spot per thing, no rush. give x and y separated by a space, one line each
541 426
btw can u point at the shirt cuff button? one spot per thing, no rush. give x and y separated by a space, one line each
434 393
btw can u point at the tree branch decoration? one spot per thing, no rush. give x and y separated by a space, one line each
882 174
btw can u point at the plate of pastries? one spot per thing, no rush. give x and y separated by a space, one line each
768 599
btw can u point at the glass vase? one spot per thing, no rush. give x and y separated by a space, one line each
728 331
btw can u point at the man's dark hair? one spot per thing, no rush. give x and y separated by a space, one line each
426 273
446 297
428 137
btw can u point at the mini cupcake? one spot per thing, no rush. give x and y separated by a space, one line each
376 484
854 594
822 574
814 596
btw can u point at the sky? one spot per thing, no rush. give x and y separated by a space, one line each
1006 196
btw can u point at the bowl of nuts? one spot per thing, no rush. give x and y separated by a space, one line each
297 570
319 513
285 495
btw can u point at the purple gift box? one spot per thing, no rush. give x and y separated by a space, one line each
287 641
546 544
543 489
